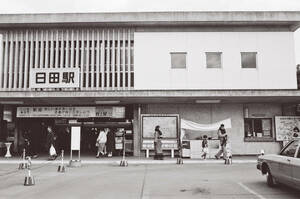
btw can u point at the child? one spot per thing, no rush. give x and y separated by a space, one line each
204 147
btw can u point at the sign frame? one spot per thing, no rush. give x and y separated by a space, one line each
165 139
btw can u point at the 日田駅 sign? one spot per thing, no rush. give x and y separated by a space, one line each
54 78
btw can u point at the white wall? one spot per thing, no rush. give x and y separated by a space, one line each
210 113
276 67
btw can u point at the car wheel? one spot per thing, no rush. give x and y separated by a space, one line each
270 179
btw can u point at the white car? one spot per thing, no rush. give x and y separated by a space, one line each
282 168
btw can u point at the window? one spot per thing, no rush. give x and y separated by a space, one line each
290 150
178 60
248 59
213 60
258 128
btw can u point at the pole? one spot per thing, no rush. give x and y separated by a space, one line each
123 162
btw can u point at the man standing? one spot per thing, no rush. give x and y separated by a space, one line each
222 136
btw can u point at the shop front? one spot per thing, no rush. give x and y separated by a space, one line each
32 121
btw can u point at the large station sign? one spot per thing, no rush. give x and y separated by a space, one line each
71 112
54 78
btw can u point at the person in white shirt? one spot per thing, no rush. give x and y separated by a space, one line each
101 141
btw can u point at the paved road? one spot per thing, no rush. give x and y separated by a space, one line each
142 181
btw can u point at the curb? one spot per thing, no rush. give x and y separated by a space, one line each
134 162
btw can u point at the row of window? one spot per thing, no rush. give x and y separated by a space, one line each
213 60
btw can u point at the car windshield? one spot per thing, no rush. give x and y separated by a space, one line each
291 149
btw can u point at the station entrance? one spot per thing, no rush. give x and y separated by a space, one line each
34 131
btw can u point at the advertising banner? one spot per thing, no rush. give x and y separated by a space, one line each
75 138
284 126
71 112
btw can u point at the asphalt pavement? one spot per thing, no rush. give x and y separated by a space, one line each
141 181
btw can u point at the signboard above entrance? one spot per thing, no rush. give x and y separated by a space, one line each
54 78
71 112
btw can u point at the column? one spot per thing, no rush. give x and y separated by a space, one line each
136 130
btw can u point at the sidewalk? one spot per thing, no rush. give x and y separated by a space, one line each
131 160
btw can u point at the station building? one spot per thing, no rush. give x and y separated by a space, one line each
97 70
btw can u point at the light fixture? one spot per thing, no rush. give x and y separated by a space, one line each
11 102
207 101
107 102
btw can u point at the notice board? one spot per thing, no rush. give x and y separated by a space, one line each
75 138
284 126
169 125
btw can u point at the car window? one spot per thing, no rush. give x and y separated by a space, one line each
291 149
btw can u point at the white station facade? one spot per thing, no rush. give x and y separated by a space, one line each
133 71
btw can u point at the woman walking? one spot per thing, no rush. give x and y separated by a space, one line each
110 144
158 144
50 143
101 141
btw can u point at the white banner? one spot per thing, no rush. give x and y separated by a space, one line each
75 138
54 78
186 124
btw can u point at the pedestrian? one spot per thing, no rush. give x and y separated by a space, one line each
222 136
296 132
101 141
27 143
50 143
158 144
110 144
204 147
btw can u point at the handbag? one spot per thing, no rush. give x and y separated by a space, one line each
52 151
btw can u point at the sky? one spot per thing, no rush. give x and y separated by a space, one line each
71 6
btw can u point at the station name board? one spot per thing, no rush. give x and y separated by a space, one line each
54 78
71 112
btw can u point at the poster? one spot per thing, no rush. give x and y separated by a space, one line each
284 126
75 138
168 125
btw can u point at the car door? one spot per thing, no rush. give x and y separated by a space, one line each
295 163
284 163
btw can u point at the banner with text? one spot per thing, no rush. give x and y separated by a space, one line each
71 112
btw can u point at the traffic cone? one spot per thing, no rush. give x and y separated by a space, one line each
23 164
179 160
29 179
123 163
61 167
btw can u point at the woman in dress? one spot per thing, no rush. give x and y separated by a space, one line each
158 144
101 141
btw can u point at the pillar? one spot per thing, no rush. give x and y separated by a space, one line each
136 131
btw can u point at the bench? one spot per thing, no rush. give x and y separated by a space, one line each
172 152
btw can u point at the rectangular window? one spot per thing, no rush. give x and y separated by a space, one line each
248 59
178 60
258 129
213 60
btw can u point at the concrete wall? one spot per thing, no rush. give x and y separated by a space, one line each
276 68
209 113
